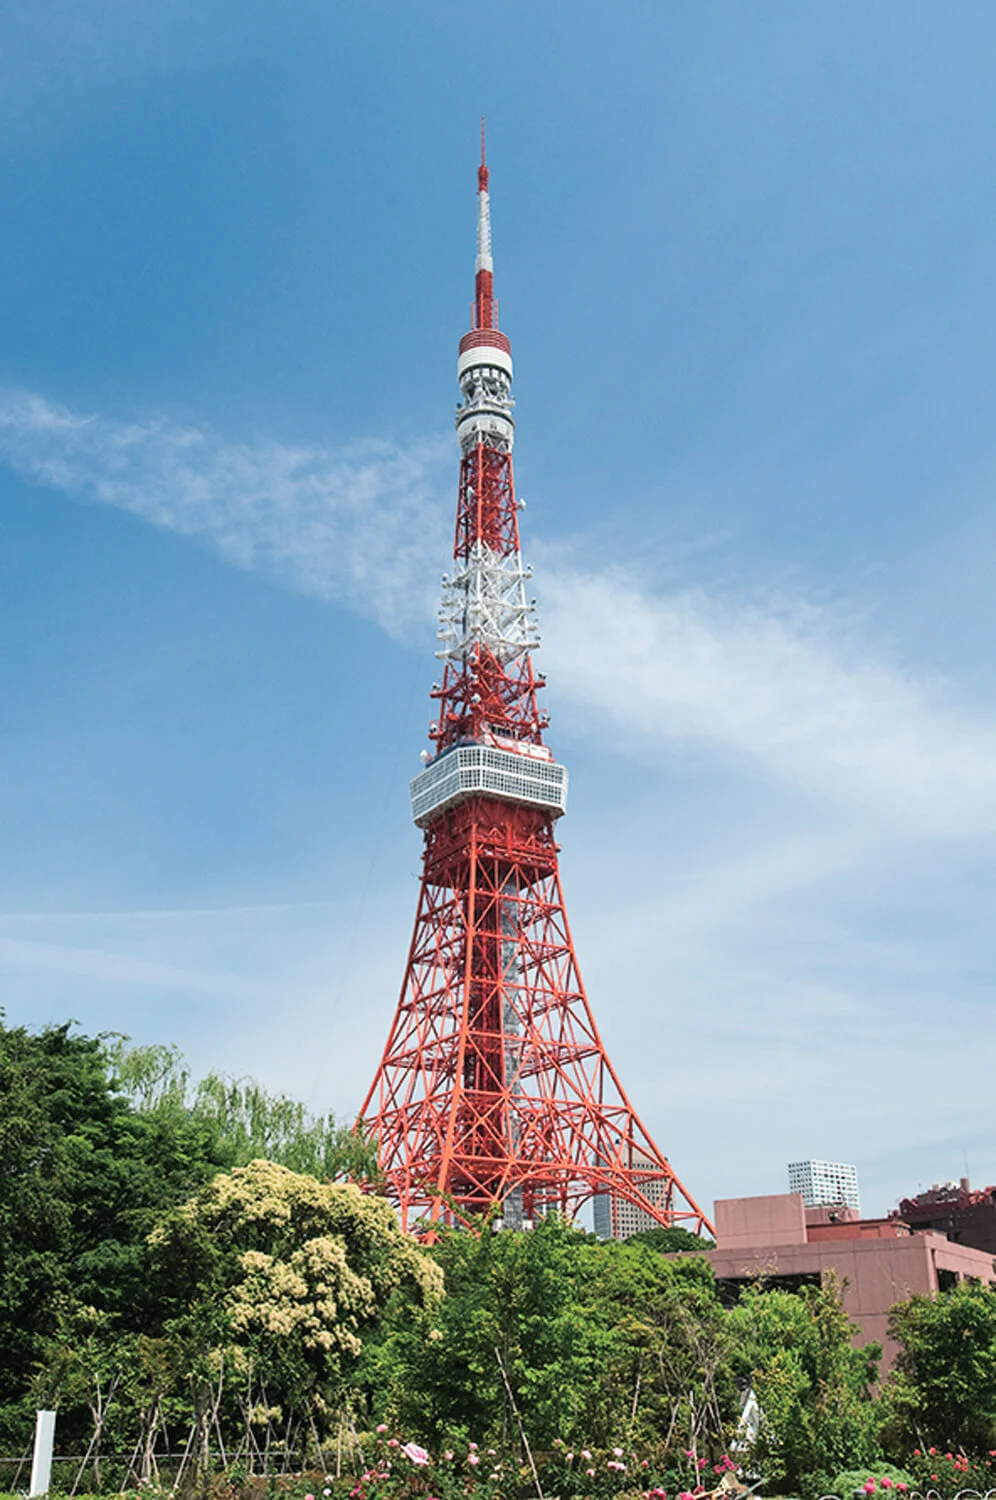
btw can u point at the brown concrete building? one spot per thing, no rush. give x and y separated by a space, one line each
882 1260
964 1214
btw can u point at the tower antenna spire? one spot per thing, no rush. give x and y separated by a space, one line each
485 307
495 1092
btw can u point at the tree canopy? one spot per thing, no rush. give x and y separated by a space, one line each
595 1343
813 1386
98 1140
182 1261
943 1391
83 1178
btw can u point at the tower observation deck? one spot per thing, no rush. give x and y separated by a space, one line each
495 1095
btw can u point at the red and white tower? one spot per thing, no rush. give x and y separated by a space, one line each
494 1087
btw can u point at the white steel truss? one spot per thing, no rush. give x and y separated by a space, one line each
485 604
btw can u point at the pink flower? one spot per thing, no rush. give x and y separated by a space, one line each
569 1457
471 1446
448 1454
685 1495
381 1426
558 1442
393 1443
902 1487
585 1453
473 1459
617 1452
416 1454
689 1452
869 1486
492 1453
702 1463
590 1473
309 1497
613 1465
886 1483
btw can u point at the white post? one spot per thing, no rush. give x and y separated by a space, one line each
41 1463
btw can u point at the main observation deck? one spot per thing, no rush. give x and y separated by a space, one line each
481 770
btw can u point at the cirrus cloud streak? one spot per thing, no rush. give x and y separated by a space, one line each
790 693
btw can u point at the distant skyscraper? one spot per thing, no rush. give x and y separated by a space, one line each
825 1182
616 1218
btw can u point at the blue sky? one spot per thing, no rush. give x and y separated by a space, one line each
746 257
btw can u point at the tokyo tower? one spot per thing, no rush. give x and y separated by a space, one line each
494 1094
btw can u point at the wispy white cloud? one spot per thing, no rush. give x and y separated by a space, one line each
792 693
362 527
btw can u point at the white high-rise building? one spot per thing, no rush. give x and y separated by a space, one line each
825 1183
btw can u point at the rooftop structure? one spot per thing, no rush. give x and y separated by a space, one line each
965 1214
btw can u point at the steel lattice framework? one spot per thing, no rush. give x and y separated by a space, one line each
494 1090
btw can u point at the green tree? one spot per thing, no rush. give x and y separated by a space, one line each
247 1122
523 1302
82 1180
813 1386
98 1139
669 1377
942 1390
270 1273
668 1241
600 1344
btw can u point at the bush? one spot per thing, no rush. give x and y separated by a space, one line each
950 1471
883 1479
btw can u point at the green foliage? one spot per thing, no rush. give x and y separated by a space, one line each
280 1273
950 1472
849 1481
99 1140
179 1265
595 1344
813 1387
669 1368
528 1300
82 1179
667 1241
942 1392
247 1122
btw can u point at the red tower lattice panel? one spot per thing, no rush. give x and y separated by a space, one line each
494 1090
